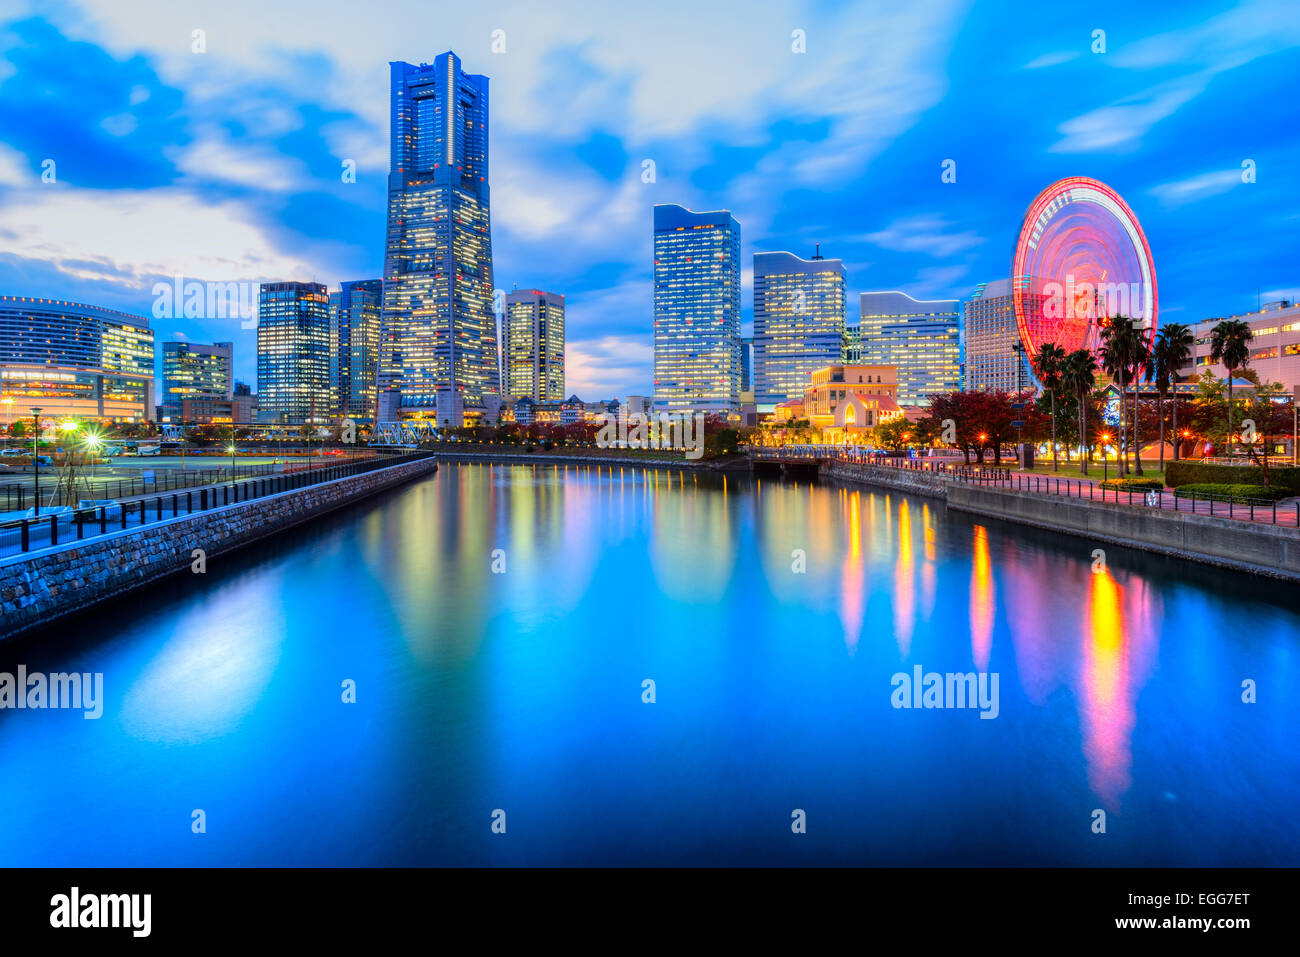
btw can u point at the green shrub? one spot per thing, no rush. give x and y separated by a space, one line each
1136 484
1232 491
1185 473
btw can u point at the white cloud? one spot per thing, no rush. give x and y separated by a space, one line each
1122 125
128 235
1224 42
217 158
1197 187
609 366
13 167
924 234
1051 59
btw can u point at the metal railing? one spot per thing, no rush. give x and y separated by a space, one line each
73 524
18 496
1241 508
1165 499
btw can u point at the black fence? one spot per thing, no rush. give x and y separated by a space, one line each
1252 509
69 524
18 496
1256 510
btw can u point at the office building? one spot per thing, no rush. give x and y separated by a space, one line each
293 354
991 334
192 369
798 323
696 311
438 354
1274 348
354 347
919 337
74 360
532 345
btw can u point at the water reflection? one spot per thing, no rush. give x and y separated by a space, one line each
499 622
981 600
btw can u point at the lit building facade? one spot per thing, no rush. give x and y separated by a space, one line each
438 354
1274 348
845 401
990 334
696 311
74 360
798 323
355 325
191 369
919 337
532 345
293 354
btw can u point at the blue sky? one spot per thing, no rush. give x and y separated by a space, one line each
225 165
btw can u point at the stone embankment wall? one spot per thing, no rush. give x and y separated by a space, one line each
43 586
1255 547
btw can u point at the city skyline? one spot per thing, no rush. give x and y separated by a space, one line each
214 176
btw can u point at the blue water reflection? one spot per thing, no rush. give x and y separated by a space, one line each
770 616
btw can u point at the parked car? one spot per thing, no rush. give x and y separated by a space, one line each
110 505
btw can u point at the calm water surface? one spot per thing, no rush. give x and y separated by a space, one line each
522 691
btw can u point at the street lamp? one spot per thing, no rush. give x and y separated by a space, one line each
36 458
1105 462
91 441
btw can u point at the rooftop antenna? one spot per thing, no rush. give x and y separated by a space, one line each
818 253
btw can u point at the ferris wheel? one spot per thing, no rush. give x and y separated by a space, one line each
1080 261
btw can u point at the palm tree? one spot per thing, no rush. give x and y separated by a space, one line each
1140 356
1079 375
1172 351
1230 345
1047 366
1116 356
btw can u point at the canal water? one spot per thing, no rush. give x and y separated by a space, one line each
500 624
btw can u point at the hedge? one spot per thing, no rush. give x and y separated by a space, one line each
1133 483
1185 473
1231 492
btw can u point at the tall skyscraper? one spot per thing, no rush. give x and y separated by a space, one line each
293 353
354 347
798 323
438 356
191 369
697 311
532 337
918 336
990 334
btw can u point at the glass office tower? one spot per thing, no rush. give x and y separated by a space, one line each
438 356
191 369
354 347
532 338
293 354
798 323
697 311
918 336
74 359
